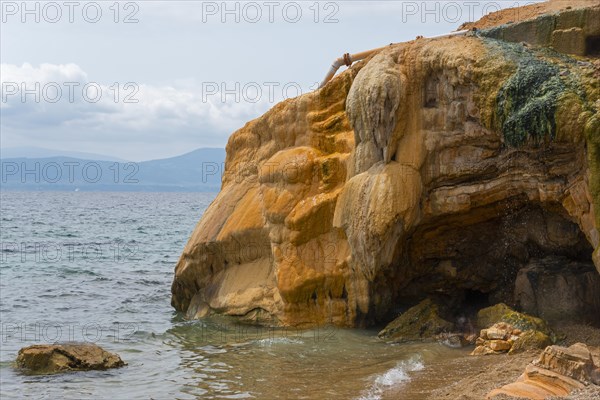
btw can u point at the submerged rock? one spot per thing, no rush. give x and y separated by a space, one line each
456 339
420 322
53 358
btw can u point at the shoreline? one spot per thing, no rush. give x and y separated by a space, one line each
469 377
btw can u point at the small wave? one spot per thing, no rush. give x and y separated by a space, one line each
76 271
150 282
278 340
66 234
244 395
392 378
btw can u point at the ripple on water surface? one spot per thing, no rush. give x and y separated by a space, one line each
123 304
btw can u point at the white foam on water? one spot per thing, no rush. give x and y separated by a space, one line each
278 340
392 378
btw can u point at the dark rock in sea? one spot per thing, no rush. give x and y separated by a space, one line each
53 358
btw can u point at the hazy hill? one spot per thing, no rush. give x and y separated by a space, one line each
42 152
197 171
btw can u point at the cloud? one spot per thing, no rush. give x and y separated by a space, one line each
45 72
59 105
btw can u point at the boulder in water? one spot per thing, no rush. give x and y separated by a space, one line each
53 358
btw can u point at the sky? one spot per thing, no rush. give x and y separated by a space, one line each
142 80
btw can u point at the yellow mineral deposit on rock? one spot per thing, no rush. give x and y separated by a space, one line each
433 167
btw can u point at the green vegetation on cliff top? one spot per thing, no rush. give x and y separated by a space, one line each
527 102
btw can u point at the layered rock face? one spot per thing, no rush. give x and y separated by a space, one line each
557 372
452 167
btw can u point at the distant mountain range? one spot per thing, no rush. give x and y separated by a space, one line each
41 152
197 171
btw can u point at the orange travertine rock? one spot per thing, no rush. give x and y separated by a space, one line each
421 169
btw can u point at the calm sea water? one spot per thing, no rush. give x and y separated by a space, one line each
97 267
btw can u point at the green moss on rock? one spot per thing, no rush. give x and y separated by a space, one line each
488 316
530 340
527 102
502 313
418 323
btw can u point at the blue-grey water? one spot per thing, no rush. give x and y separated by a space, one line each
97 267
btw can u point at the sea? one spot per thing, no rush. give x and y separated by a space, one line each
97 267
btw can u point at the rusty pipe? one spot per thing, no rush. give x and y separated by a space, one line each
347 59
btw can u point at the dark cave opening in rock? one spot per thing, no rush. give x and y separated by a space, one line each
531 257
475 299
592 46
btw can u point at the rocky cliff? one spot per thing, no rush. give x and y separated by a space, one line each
465 168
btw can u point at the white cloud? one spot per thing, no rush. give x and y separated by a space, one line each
57 105
45 72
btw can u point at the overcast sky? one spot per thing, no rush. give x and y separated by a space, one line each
141 80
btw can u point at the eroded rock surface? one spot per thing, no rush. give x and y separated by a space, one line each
557 372
556 289
442 166
53 358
